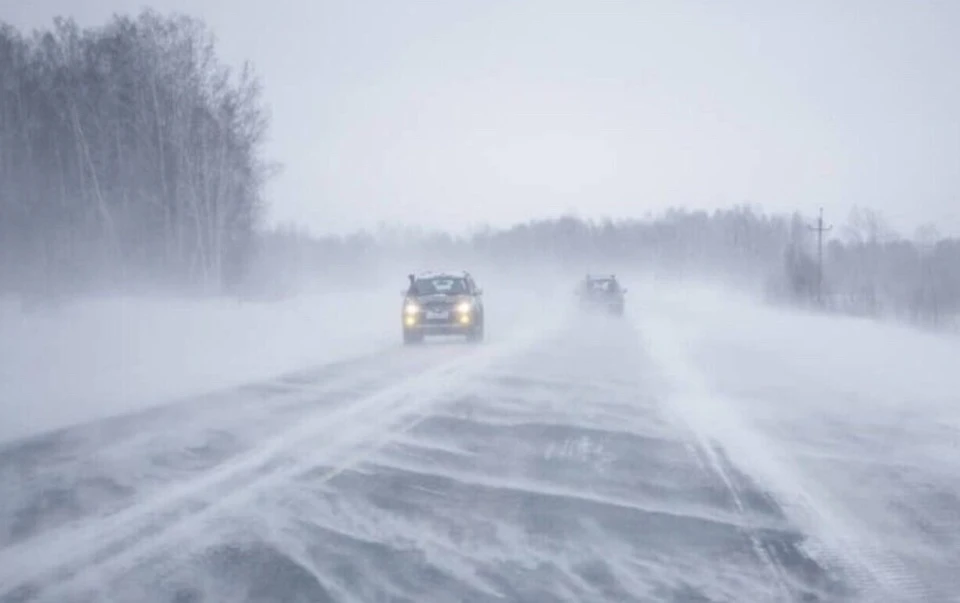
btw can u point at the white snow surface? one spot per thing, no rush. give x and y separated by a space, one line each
96 358
704 447
99 357
853 425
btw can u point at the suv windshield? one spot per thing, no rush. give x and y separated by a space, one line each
603 286
438 285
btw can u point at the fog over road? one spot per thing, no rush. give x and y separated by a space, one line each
698 449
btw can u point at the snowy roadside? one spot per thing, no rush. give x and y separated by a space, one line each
853 425
100 357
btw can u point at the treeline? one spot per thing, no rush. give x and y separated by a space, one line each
734 243
871 270
129 155
867 268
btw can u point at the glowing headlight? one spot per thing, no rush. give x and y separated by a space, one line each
463 307
411 309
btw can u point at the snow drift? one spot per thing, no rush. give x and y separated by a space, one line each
100 357
852 425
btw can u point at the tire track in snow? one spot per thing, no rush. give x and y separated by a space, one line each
90 552
841 540
133 457
640 524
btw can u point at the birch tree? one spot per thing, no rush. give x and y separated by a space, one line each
129 154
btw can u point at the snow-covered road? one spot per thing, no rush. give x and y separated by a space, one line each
703 448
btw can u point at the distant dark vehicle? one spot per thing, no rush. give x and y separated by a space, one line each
442 303
602 293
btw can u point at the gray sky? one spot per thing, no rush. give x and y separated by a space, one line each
450 114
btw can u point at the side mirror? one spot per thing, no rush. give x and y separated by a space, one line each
625 289
479 290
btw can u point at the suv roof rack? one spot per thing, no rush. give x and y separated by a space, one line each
442 273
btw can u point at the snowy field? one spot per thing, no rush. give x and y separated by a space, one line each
92 359
702 448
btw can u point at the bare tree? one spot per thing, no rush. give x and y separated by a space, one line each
128 153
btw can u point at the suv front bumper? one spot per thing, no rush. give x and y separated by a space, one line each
455 324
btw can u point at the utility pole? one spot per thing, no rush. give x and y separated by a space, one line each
820 229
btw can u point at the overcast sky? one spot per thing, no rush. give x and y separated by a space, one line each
451 114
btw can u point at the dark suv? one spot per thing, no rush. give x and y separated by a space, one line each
442 303
601 292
